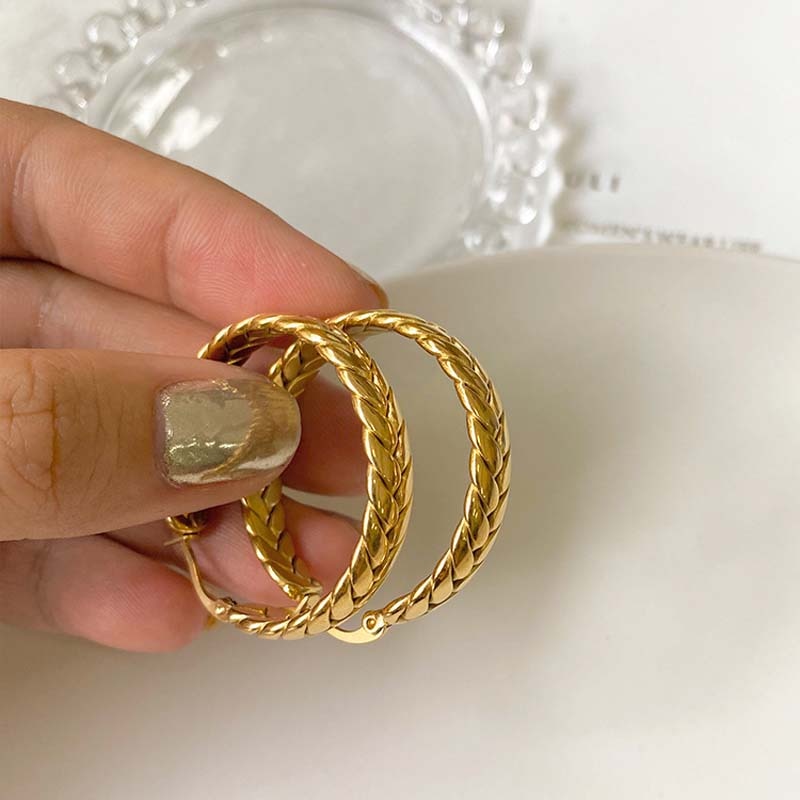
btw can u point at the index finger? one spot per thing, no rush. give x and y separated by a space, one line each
104 208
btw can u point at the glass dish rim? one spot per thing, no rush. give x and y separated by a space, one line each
521 180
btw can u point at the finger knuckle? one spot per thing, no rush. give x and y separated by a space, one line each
49 420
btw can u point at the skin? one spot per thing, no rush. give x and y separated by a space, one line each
106 247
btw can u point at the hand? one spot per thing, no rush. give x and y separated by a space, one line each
106 247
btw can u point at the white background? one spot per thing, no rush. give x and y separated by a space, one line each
632 635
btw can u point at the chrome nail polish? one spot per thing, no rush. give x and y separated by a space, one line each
224 430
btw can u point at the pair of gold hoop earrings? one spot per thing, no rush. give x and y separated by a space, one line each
389 483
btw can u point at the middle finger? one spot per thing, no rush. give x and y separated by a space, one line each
324 541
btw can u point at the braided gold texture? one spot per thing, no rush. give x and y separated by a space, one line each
388 480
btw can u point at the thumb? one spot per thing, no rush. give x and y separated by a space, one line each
93 440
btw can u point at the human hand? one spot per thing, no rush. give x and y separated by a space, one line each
106 247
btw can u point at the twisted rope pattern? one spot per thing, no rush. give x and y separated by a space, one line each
389 484
489 460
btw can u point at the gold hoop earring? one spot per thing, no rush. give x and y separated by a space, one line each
484 504
388 479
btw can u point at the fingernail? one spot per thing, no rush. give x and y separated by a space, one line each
224 430
383 298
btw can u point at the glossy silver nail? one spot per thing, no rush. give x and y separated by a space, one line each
224 430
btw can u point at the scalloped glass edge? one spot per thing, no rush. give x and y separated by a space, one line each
522 179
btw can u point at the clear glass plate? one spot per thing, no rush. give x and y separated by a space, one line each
396 133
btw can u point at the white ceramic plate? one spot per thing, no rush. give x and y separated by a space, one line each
634 634
395 133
